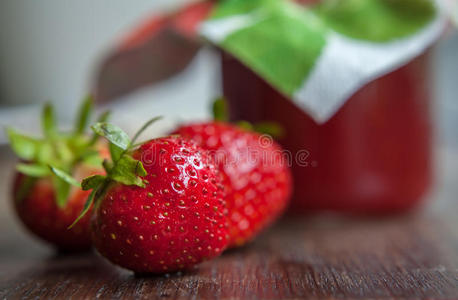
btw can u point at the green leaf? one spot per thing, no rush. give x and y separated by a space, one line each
92 182
144 127
281 45
245 125
25 147
84 114
220 111
376 20
115 152
45 154
107 165
65 176
128 171
63 151
235 7
112 133
33 170
62 190
91 157
102 119
49 121
86 207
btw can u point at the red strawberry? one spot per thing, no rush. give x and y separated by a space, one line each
42 216
44 203
258 180
160 208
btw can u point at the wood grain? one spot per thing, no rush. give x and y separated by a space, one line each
414 256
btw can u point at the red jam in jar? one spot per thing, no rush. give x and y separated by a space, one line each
373 156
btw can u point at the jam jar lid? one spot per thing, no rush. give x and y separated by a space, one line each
317 55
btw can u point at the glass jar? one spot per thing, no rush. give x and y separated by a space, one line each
373 156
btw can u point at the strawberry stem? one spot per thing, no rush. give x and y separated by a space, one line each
221 114
122 169
220 111
64 150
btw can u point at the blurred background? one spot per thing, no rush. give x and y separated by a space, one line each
50 50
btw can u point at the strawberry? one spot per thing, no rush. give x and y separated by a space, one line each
160 208
257 179
46 204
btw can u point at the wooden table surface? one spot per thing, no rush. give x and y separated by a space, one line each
413 256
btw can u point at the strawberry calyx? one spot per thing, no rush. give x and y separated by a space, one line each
122 168
221 114
56 148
